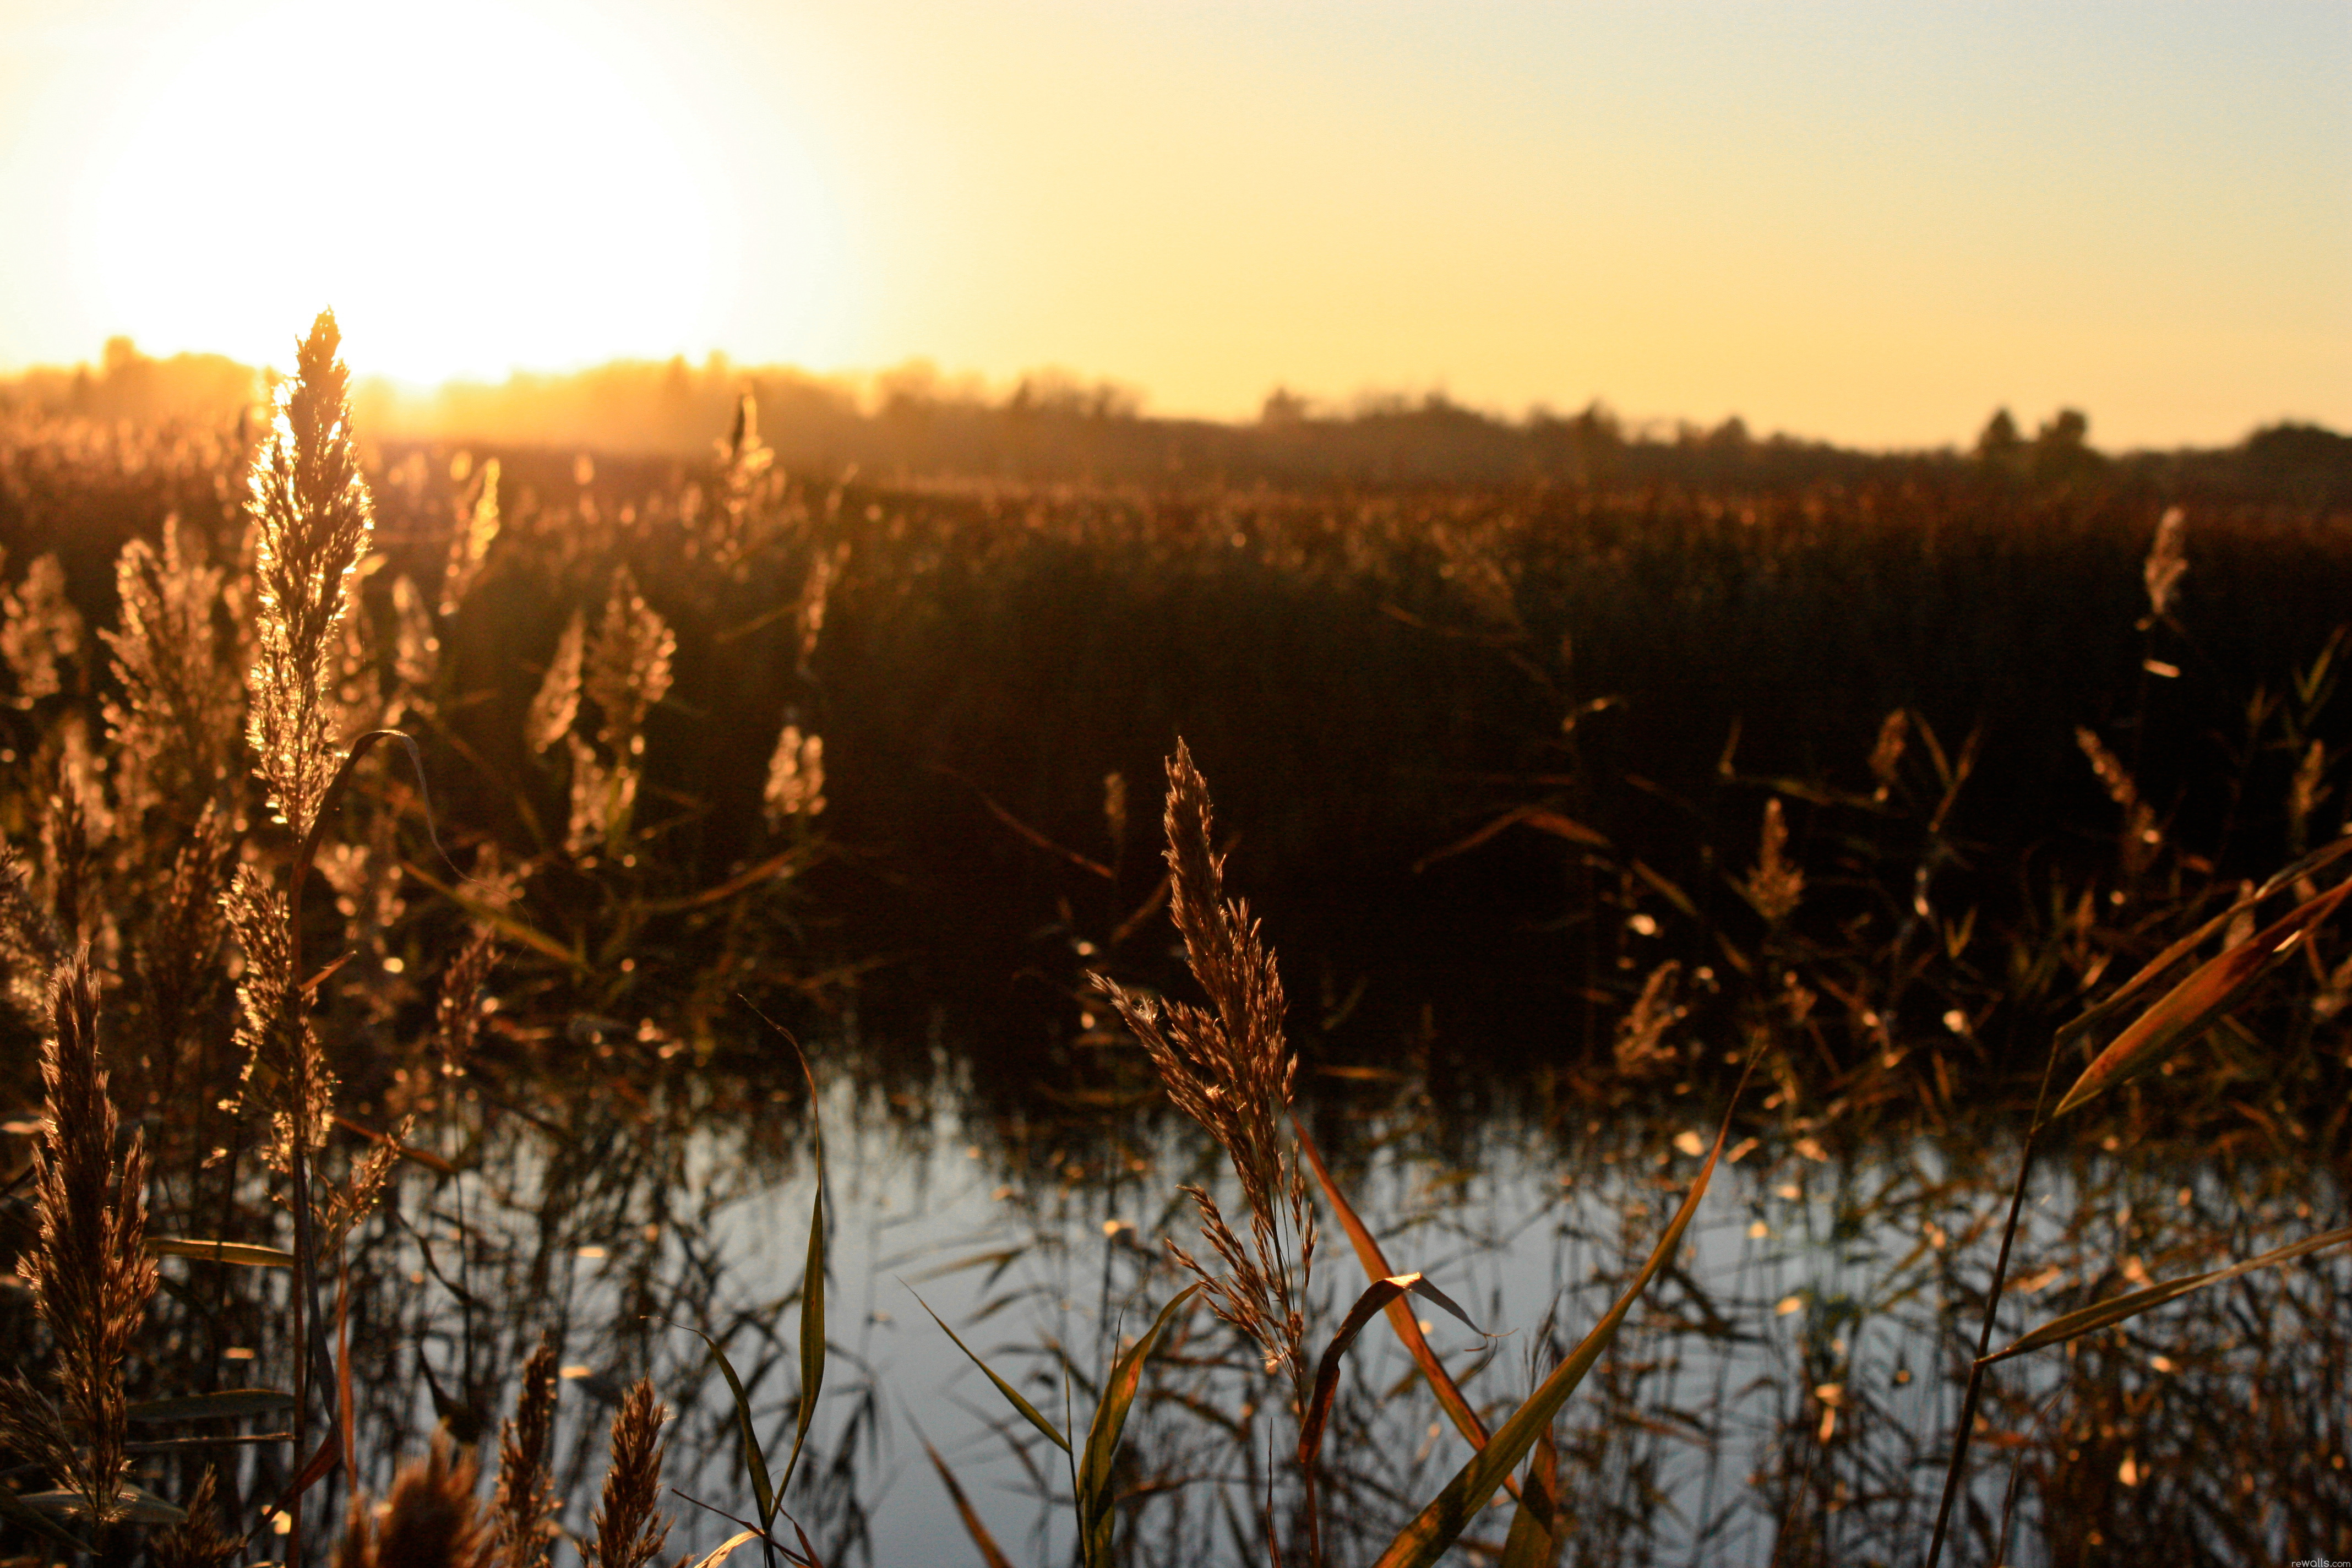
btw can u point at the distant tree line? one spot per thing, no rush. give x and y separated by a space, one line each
912 423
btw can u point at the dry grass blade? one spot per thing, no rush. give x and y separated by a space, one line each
1434 1530
2156 968
2107 1313
1534 1541
245 1253
1375 1262
1096 1515
2194 1005
989 1553
1543 819
726 1549
1381 1295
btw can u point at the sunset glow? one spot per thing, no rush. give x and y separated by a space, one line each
1868 223
472 187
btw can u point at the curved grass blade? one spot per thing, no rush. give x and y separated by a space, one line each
502 923
2116 1310
2194 1005
1424 1540
989 1553
1095 1516
1381 1295
2318 861
726 1549
245 1253
1542 818
1376 1267
1534 1541
229 1403
1053 1432
763 1491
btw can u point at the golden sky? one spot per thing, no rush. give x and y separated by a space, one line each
1871 223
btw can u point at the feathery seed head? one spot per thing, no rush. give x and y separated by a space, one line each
629 1530
523 1507
88 1271
312 518
1229 1068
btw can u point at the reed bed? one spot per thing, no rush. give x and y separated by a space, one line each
417 850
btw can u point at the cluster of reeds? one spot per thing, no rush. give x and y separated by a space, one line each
623 863
234 687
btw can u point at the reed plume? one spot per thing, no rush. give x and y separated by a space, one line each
1229 1068
629 1531
30 942
39 630
312 518
2141 834
556 704
1777 883
457 1013
86 1270
795 786
522 1509
477 525
283 1061
176 726
2167 564
738 525
430 1521
627 671
199 1540
179 948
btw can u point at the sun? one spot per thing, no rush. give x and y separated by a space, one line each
471 187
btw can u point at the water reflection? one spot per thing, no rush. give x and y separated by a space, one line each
1784 1393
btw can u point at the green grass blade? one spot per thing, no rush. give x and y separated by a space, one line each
229 1403
2194 1005
15 1511
813 1345
754 1461
989 1553
812 1319
1095 1516
1425 1539
2107 1313
1053 1432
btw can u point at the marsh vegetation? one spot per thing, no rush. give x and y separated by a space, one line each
500 944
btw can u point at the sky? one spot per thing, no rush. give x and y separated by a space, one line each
1867 223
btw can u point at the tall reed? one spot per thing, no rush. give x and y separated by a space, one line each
86 1270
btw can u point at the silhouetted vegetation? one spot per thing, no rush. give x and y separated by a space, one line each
1580 776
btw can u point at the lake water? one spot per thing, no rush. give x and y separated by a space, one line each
1785 1391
